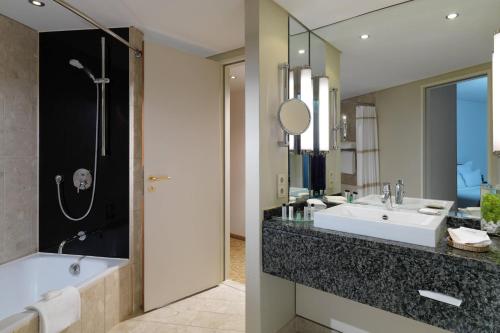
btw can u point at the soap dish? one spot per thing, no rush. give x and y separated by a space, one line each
469 248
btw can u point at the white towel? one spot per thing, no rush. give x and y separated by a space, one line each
464 235
58 310
348 158
318 204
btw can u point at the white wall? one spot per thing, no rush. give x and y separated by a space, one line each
237 157
270 301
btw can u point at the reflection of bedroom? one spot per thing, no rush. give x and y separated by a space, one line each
472 140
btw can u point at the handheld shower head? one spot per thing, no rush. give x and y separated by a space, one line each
76 63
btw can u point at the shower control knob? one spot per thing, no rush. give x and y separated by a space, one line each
82 179
58 179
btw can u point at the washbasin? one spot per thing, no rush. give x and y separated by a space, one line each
397 225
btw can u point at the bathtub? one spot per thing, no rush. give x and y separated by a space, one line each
23 281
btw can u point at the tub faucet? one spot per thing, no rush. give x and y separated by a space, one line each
61 246
81 236
387 195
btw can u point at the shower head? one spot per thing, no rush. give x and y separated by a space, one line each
76 63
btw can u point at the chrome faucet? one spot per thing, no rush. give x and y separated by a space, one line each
81 236
61 246
387 195
400 192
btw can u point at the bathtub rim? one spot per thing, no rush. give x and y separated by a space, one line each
13 322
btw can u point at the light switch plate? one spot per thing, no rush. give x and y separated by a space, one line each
330 179
282 185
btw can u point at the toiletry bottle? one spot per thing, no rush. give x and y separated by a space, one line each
306 213
311 212
347 193
290 213
354 196
283 212
298 216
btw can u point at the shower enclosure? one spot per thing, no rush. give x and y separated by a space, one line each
84 140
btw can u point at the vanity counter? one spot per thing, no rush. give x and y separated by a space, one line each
388 274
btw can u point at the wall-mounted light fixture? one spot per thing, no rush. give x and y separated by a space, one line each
306 95
496 94
344 127
323 114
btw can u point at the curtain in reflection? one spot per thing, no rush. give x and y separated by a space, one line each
367 151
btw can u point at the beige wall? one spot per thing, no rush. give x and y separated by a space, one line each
18 140
270 301
333 162
400 119
237 143
136 82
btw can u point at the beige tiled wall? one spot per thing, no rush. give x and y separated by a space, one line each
105 303
18 139
136 79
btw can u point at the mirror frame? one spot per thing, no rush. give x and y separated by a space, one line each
281 109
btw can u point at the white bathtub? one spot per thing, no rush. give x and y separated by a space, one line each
23 281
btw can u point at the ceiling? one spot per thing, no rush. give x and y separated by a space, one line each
408 42
317 13
201 27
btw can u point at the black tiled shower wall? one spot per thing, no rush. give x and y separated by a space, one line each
67 114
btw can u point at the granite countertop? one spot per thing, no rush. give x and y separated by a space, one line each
489 261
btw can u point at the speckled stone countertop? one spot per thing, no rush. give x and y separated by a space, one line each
489 261
389 274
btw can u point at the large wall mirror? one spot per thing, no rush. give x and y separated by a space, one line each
311 158
416 96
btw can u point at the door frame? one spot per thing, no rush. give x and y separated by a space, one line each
227 163
453 79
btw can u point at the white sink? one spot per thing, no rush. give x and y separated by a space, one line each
397 225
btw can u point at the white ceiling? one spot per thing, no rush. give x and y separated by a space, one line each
317 13
196 26
408 42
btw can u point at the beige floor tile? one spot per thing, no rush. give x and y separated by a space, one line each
237 257
133 326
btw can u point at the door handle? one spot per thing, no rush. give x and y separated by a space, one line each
159 178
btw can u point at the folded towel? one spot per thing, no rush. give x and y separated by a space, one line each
335 199
469 236
318 204
429 211
58 309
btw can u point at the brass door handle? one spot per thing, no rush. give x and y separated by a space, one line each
158 178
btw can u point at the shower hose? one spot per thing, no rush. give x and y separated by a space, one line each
59 179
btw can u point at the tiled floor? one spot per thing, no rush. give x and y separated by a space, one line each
237 257
218 310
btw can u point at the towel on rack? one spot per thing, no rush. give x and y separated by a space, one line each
58 310
348 161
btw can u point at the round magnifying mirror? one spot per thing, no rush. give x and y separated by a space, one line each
294 116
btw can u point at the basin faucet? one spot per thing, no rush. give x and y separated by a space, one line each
400 192
387 195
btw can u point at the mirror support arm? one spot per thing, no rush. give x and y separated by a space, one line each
284 89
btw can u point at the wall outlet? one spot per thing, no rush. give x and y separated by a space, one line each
331 179
282 185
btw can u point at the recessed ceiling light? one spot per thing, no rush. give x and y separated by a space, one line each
37 3
302 51
365 36
451 16
233 77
